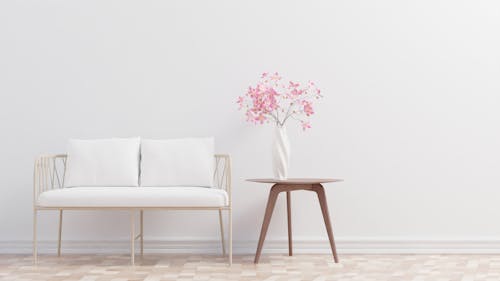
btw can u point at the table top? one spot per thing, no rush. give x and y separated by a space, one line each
295 181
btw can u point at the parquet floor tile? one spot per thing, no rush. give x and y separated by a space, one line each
271 268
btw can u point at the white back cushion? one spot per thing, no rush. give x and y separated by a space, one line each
177 162
103 162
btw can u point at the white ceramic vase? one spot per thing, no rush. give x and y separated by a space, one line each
281 153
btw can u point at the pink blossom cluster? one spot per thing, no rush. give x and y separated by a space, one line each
274 100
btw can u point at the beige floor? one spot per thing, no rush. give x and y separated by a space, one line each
272 267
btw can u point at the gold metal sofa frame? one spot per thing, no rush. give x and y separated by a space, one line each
49 174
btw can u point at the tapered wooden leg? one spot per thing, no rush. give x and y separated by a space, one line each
273 195
320 191
142 232
35 248
289 213
60 233
221 222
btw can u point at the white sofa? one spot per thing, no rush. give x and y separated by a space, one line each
134 175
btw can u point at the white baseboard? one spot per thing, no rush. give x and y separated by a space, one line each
314 246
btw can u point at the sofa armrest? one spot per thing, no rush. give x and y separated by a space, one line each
48 174
222 174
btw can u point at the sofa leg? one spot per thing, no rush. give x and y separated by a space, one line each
221 223
132 238
230 236
142 232
35 253
60 232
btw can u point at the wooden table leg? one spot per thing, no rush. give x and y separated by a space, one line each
289 212
273 195
320 191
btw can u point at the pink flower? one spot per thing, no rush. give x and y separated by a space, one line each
296 92
308 110
293 85
249 116
240 102
275 77
260 118
305 125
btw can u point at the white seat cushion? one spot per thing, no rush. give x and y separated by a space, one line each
134 197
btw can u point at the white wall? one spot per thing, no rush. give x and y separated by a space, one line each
409 119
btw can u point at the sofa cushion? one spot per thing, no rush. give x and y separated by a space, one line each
103 162
134 197
177 162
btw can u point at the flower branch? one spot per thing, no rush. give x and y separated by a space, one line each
271 95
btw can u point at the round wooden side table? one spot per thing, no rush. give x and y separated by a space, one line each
289 185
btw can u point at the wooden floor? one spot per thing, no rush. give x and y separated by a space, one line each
271 268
